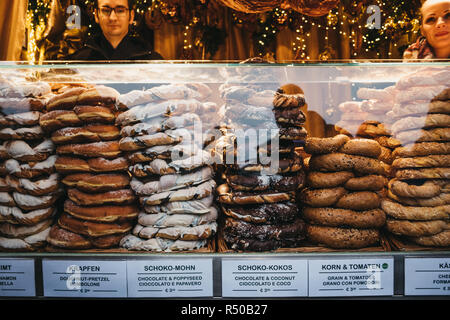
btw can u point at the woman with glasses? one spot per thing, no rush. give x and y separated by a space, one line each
115 42
435 29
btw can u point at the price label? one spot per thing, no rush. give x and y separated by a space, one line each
170 278
90 279
351 277
264 278
17 278
427 276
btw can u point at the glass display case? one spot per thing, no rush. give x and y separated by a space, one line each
227 169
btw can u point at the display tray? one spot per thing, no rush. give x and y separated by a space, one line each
399 243
210 248
307 247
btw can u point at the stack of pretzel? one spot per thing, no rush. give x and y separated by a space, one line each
258 196
418 202
345 184
100 205
371 118
172 175
29 186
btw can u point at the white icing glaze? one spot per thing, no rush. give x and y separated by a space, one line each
26 118
14 244
200 206
38 238
170 220
419 93
430 77
19 231
28 202
132 242
171 182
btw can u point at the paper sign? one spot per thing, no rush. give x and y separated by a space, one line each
427 276
351 277
170 278
98 279
17 278
264 278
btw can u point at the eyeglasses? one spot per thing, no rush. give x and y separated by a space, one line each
119 11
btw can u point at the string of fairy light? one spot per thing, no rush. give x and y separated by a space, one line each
35 22
398 18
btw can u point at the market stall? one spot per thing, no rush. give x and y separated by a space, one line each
228 161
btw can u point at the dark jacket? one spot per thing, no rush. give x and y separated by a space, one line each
130 48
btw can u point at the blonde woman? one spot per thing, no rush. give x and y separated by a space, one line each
435 28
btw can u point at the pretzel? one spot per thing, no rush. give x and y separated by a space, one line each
200 206
91 228
26 133
343 162
405 212
422 149
343 238
428 135
23 231
416 228
29 202
439 200
197 192
103 182
423 189
165 108
23 151
163 220
386 94
143 142
66 164
31 170
420 108
28 244
325 145
441 239
88 133
132 242
104 213
21 105
105 149
266 182
161 167
35 188
423 173
15 215
336 217
433 120
171 182
30 118
227 196
270 213
421 93
165 152
199 232
316 179
116 197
